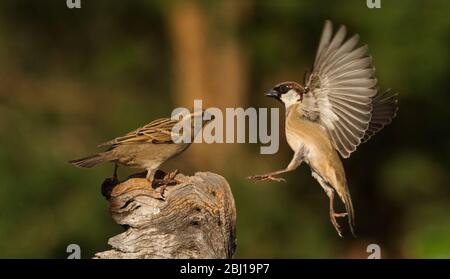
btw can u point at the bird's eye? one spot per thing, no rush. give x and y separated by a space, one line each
284 89
306 90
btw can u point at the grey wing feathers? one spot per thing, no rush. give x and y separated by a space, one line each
342 85
385 107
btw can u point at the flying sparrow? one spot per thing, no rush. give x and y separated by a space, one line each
146 147
336 109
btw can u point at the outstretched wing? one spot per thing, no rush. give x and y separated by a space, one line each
341 87
385 107
158 131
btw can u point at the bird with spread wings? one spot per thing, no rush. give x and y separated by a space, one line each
337 108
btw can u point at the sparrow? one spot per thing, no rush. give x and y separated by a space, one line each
146 147
337 108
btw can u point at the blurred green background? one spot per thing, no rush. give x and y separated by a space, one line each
72 78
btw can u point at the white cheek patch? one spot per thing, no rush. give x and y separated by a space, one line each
290 98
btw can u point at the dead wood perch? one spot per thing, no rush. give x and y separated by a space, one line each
196 219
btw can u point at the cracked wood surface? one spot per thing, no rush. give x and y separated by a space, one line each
195 219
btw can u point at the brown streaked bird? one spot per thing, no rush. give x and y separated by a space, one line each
336 109
146 147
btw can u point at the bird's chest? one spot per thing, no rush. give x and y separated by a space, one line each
294 140
306 136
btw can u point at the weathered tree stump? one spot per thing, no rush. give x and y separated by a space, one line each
195 219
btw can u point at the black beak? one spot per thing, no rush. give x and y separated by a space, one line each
272 93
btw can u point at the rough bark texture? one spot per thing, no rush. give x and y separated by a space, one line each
195 219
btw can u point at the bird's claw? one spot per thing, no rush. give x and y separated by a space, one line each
333 217
162 192
168 180
170 177
265 177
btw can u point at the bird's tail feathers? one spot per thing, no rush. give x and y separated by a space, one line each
90 161
347 200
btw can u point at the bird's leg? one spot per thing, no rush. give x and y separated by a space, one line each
295 162
150 175
269 176
155 182
170 178
330 193
161 184
333 215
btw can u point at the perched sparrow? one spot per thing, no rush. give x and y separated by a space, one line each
337 108
147 147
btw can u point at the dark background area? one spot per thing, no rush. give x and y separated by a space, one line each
73 78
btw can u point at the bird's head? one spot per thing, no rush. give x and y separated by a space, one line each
288 92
